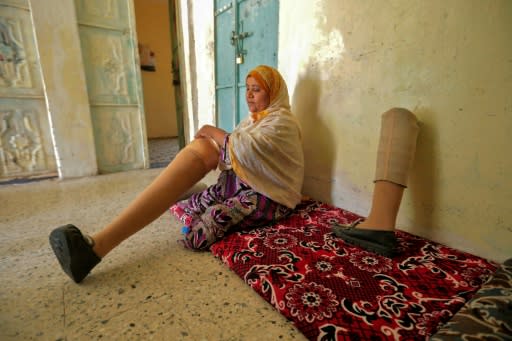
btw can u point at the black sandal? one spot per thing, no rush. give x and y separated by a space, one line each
73 251
377 241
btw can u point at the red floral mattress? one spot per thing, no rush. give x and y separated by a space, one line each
335 291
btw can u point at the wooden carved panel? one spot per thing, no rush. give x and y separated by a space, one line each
108 42
19 68
23 148
106 13
118 138
108 60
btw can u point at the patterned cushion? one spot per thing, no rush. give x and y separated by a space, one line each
488 315
334 291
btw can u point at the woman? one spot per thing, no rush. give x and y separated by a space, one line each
262 170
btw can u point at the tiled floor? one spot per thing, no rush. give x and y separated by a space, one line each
162 151
149 288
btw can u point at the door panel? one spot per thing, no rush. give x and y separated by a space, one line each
243 109
119 128
111 14
108 61
25 143
20 72
245 36
260 20
26 148
107 37
224 64
225 100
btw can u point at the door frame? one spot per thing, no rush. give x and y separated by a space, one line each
196 65
176 70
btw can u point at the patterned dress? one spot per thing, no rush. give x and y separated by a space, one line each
226 206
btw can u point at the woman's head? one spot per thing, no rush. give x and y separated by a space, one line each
256 95
266 90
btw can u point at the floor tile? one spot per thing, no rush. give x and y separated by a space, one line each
149 288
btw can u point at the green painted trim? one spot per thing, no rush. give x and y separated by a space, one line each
236 116
176 74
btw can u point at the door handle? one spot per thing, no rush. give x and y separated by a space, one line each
236 40
241 36
244 35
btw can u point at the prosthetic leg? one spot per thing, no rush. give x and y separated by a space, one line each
78 253
395 156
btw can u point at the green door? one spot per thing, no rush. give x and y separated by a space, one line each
245 36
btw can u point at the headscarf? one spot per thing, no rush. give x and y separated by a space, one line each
266 148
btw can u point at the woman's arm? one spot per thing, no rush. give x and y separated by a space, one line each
210 131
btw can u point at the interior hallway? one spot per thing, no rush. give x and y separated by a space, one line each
148 288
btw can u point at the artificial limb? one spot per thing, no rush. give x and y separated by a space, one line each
395 156
79 253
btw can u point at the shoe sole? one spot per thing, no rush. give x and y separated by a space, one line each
369 246
60 247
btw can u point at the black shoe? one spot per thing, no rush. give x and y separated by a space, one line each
74 251
377 241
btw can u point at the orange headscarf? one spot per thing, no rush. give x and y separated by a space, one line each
273 83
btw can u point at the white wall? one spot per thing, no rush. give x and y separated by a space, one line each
448 61
60 56
197 64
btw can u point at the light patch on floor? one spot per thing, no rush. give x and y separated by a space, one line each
147 288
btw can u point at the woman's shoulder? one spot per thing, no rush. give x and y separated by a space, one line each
283 116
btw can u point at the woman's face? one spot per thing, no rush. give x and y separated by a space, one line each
257 98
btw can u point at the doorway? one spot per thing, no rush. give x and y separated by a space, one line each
157 44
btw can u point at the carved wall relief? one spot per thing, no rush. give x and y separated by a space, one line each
108 66
21 150
105 9
14 72
111 61
122 139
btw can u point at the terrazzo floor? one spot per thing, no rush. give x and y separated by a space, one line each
162 151
149 288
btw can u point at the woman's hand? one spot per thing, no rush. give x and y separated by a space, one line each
212 132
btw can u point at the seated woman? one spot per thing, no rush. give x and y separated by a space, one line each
262 170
